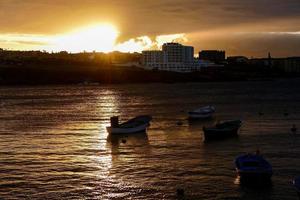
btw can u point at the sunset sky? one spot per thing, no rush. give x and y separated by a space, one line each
241 27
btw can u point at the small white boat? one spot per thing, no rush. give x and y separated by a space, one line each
202 113
135 125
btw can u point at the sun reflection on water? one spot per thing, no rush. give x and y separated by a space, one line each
107 105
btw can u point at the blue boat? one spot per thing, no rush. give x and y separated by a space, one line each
253 168
296 184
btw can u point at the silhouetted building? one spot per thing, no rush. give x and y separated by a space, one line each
173 57
290 64
212 55
237 60
178 53
174 52
188 54
154 56
154 59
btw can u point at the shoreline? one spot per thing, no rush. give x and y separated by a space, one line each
109 74
95 84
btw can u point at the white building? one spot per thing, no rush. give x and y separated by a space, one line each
173 57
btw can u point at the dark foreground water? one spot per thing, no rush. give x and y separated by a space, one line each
53 142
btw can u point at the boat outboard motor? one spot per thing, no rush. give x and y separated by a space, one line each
114 121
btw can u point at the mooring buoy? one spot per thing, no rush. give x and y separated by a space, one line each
294 128
180 192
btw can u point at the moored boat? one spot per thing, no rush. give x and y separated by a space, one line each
135 125
202 113
253 168
296 184
222 130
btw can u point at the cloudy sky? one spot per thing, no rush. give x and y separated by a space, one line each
241 27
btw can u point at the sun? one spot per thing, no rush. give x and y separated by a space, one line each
98 37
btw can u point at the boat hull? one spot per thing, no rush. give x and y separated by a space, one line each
194 116
296 184
215 134
253 169
202 113
251 176
222 130
119 130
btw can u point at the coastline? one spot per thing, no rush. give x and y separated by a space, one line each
109 74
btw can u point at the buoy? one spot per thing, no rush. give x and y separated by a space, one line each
257 152
179 123
180 192
294 128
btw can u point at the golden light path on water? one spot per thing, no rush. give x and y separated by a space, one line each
106 102
85 141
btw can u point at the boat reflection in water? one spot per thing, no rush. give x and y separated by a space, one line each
128 150
137 139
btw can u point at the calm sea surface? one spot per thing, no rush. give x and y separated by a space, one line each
54 145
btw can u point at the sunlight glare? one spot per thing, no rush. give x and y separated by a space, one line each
100 37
